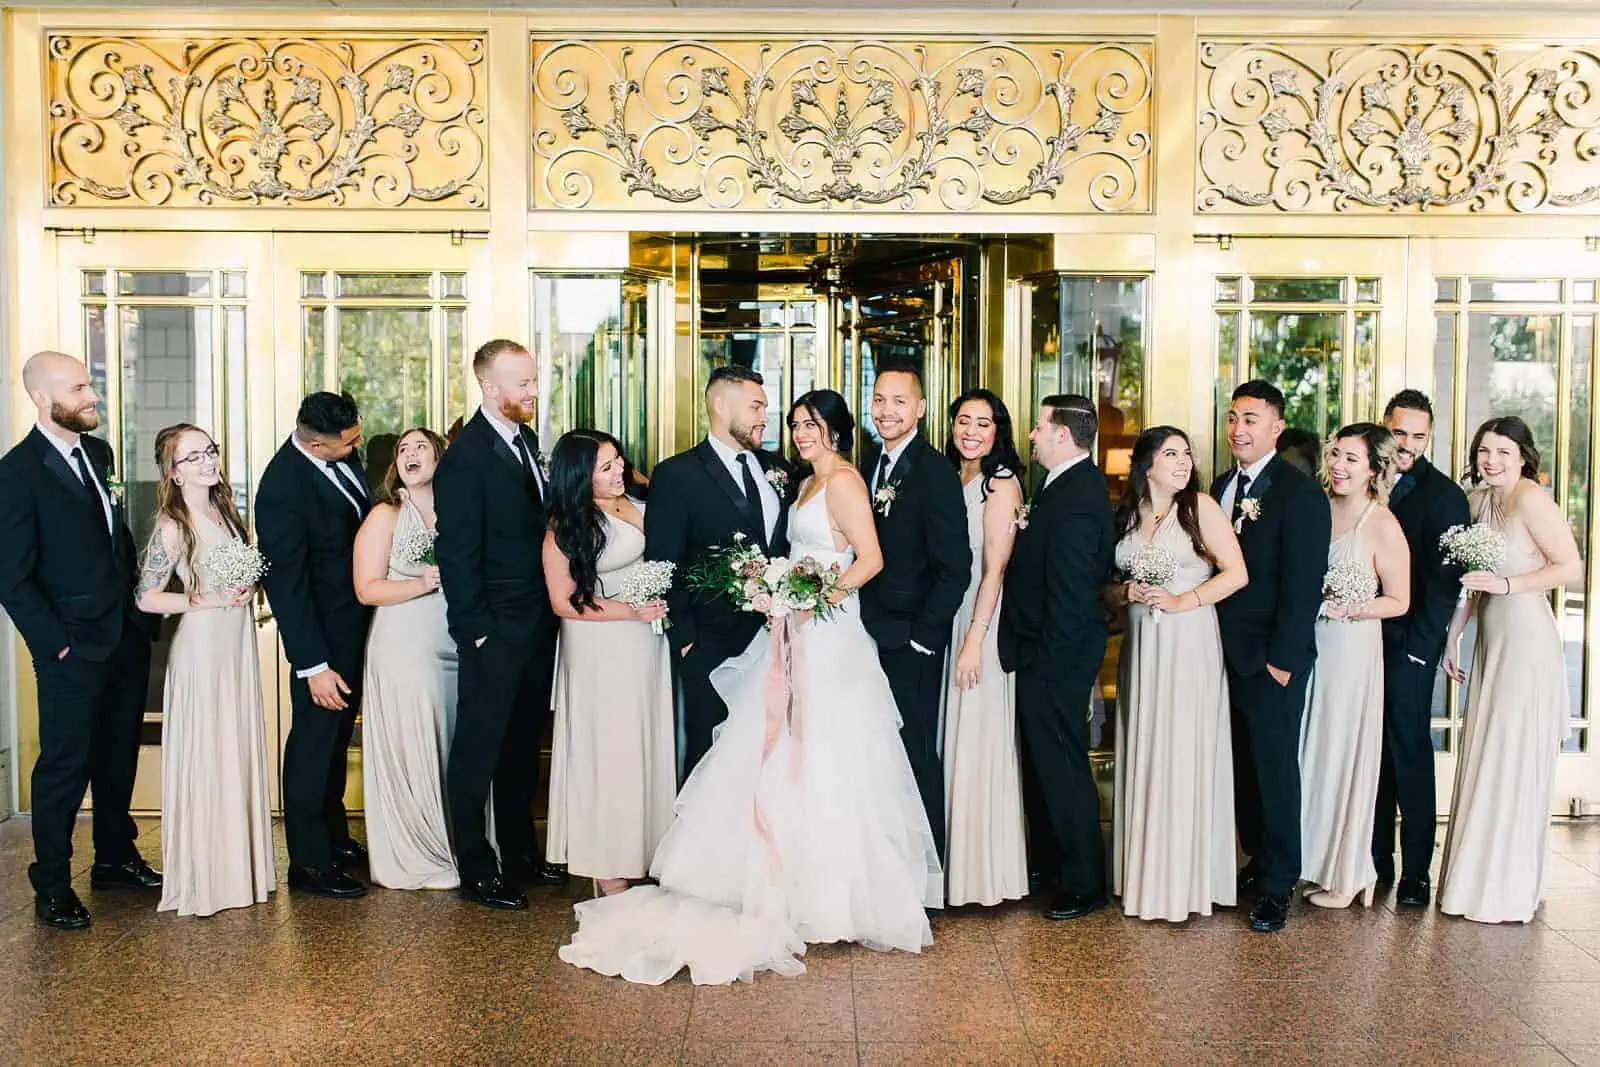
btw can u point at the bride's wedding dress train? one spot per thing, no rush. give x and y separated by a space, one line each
803 824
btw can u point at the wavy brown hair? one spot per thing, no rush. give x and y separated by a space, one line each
1382 458
169 496
389 490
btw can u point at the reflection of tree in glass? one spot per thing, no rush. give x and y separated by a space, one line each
383 363
1300 354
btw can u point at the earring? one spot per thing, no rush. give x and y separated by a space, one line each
834 441
178 482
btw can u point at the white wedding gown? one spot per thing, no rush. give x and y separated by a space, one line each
802 829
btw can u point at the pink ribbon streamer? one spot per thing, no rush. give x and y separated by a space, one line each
785 711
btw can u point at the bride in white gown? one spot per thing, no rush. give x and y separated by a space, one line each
803 825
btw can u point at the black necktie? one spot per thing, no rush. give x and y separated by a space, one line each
883 472
351 489
1239 492
752 496
83 471
521 445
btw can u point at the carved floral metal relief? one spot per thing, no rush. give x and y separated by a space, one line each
1319 127
359 122
1060 127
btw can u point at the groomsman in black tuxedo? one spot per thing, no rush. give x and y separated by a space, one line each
908 609
699 499
67 576
1053 636
490 499
1269 641
309 506
1427 503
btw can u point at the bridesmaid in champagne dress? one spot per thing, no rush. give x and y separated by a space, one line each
988 860
613 769
1173 850
1497 848
216 826
1341 736
409 706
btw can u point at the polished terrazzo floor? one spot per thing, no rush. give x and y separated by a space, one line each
423 978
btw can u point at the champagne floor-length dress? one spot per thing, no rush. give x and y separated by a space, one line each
1173 844
1341 740
216 824
408 712
613 768
988 858
1497 851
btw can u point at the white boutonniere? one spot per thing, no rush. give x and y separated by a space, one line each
1249 511
1019 518
779 480
543 463
115 487
883 500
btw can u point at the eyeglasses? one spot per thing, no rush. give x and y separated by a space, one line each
211 453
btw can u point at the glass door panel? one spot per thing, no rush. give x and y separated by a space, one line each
169 328
1514 335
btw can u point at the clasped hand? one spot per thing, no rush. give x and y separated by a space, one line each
1157 597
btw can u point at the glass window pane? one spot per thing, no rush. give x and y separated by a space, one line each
1583 291
233 284
1297 290
804 312
1449 290
456 367
236 448
1045 335
166 378
1226 331
402 285
1364 393
179 283
576 335
1511 370
1368 290
1301 353
1444 378
313 349
1572 615
626 410
803 361
1227 290
313 284
94 351
455 287
1577 740
384 356
94 283
1514 291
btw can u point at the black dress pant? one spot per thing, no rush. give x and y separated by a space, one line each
1405 780
503 706
916 680
703 708
315 764
1060 800
90 713
1266 720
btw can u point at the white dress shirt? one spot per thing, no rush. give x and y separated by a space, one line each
1253 472
893 456
509 432
1061 468
66 449
327 472
770 504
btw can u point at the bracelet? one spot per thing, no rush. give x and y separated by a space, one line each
1508 585
980 622
1198 603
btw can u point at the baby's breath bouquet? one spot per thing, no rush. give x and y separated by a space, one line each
1479 547
233 564
1153 565
646 582
1349 585
416 546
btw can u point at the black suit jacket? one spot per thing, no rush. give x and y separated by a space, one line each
1058 571
1273 619
306 529
65 579
696 506
492 522
1429 506
927 562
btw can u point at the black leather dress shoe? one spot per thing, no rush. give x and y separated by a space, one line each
350 854
320 882
1247 881
1385 876
135 874
493 892
61 911
1073 906
1270 914
532 873
1414 892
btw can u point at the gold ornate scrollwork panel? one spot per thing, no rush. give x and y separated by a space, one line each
875 124
1328 127
367 122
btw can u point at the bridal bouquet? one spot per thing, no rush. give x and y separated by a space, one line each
234 564
1479 547
772 587
1152 565
416 546
646 582
1349 585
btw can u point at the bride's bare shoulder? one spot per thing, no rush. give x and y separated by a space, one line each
845 479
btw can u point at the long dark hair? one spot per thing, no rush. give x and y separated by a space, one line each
578 524
1509 426
1002 455
1137 494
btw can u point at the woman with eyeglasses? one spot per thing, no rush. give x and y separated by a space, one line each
216 827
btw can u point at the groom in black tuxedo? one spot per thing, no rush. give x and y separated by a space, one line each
909 608
1269 641
699 499
490 497
1427 503
67 577
309 506
1053 636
